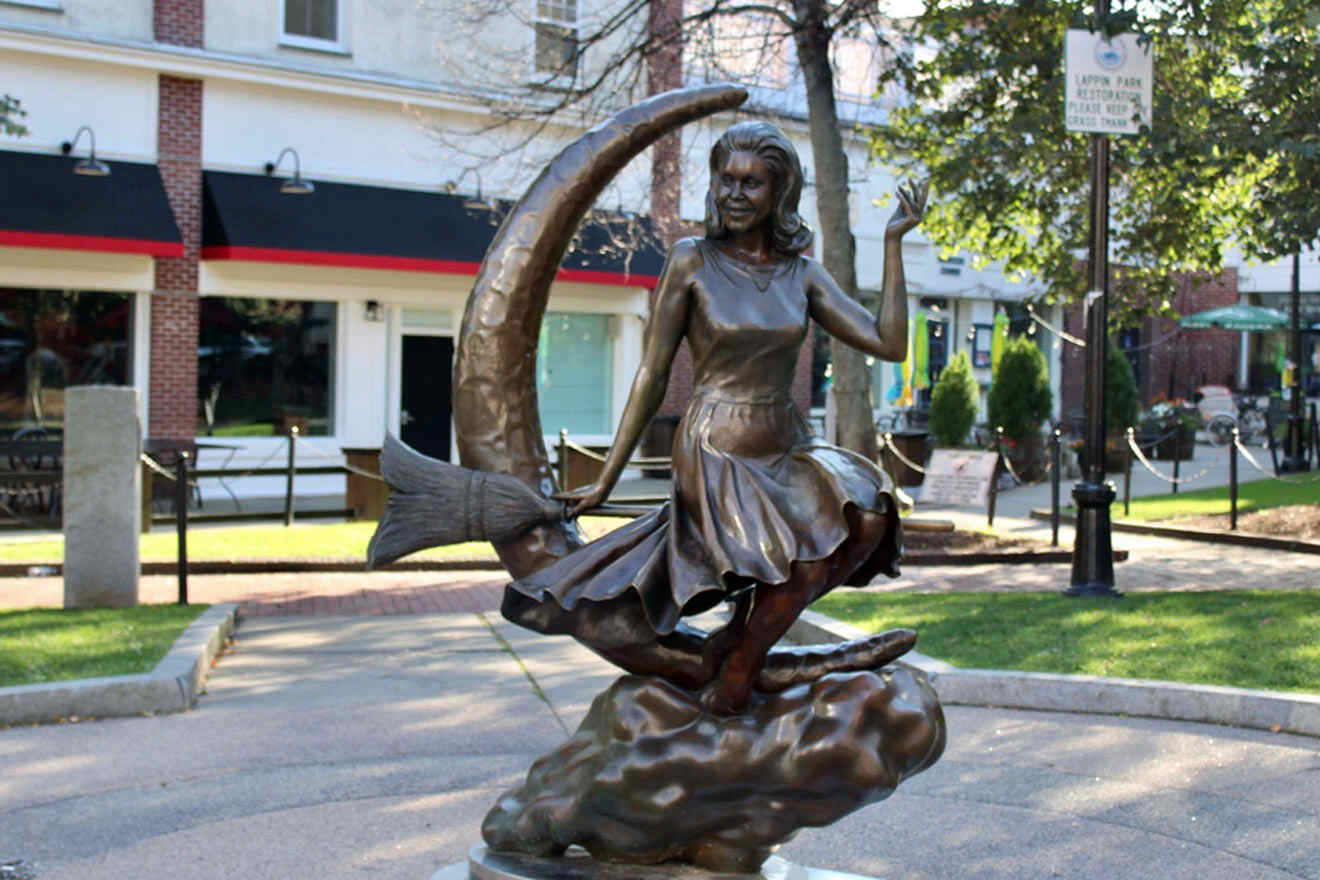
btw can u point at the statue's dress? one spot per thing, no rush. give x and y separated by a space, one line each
753 491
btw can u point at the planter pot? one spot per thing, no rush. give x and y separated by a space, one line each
912 444
1181 445
1027 455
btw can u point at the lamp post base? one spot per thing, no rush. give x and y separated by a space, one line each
1295 461
1093 547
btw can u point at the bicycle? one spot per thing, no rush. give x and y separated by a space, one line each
1250 421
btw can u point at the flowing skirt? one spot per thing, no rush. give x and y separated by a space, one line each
753 493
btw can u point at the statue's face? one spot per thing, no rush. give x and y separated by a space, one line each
744 192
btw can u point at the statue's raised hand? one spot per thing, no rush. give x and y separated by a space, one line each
911 208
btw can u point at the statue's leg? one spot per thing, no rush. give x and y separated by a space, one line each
785 667
618 630
774 608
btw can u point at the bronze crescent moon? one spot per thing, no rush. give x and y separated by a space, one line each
496 420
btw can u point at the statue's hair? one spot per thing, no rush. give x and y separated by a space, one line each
790 236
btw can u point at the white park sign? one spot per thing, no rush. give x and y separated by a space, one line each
1108 82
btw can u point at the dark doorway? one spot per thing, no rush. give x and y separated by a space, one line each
425 409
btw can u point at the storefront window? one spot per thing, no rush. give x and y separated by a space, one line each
264 366
573 375
51 339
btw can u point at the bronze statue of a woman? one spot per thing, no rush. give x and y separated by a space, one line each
706 752
762 513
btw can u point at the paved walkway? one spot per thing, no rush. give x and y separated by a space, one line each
363 723
372 747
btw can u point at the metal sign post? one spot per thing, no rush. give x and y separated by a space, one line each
1108 92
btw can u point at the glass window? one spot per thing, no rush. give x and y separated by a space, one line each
982 335
51 339
317 19
573 373
556 37
264 366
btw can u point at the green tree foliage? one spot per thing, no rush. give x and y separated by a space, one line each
1277 122
1020 399
953 402
1122 400
11 110
986 123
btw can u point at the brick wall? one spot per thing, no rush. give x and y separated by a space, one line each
1178 364
1192 357
174 307
179 22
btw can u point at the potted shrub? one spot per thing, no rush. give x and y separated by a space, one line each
1019 401
1168 429
1122 407
953 402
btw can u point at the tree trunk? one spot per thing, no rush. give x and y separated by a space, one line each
852 379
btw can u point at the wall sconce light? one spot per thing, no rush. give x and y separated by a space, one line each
91 166
294 186
475 203
373 311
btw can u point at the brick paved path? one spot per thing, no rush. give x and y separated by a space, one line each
346 593
1162 564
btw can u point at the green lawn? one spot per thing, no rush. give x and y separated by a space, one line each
48 644
1255 495
1244 638
304 541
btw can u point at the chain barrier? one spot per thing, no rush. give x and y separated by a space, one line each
335 458
1246 453
887 440
1141 457
156 468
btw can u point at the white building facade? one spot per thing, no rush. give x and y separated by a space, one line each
242 309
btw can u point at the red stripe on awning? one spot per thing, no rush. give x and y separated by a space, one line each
16 238
405 264
337 258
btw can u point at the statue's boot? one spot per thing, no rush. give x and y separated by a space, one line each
619 631
785 667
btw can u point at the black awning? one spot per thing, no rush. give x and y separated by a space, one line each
246 217
44 204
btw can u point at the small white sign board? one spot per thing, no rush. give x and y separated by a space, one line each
958 476
1108 87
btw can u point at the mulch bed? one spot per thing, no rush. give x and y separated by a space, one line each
1301 521
966 542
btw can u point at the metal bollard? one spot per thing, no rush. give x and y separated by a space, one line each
1056 439
1177 461
1232 480
1127 473
181 518
288 485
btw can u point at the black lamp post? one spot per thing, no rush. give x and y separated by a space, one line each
1093 544
1294 457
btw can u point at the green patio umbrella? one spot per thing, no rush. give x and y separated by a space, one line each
1236 317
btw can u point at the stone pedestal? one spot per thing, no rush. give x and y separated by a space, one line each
482 864
102 491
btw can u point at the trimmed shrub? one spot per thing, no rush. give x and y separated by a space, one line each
1122 401
953 402
1020 400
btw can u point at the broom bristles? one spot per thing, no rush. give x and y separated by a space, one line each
433 503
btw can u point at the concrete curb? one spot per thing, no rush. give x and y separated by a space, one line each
1237 707
1240 539
172 686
